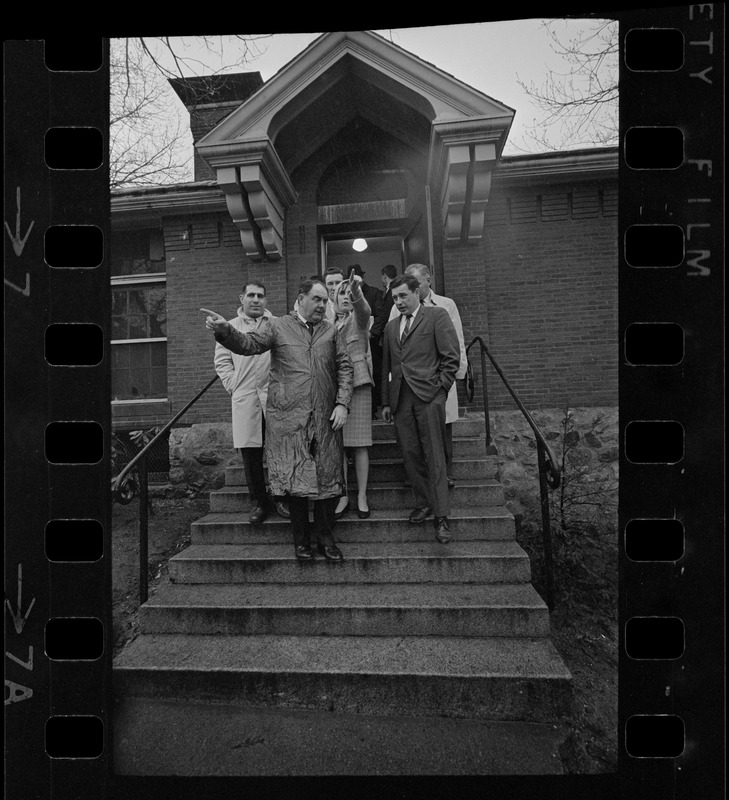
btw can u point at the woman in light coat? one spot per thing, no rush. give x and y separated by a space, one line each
353 320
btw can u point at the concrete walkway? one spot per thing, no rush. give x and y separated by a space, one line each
193 739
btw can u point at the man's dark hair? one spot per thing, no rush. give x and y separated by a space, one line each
405 280
306 286
334 271
389 270
357 270
254 282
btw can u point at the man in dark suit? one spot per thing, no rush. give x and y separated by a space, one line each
420 359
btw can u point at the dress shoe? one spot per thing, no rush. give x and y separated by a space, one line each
281 508
420 514
331 552
363 514
451 482
340 514
442 529
304 552
257 515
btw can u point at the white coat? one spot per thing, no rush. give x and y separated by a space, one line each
246 381
434 299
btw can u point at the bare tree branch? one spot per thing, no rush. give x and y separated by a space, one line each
149 142
583 98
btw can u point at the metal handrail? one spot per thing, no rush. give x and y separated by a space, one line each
548 466
116 482
141 459
554 468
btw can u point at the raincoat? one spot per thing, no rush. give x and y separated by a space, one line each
246 381
310 374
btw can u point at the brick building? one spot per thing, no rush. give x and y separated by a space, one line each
356 137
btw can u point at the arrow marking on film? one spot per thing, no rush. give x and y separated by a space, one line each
19 619
18 240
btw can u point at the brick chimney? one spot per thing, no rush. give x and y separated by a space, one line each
209 99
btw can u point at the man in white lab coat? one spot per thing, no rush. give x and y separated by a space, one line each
246 380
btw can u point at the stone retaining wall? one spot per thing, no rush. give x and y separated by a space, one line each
199 455
590 439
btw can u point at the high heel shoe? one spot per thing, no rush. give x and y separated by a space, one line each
340 514
362 514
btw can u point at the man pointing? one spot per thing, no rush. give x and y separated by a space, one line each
308 401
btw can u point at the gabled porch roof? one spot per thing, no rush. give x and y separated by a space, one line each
385 84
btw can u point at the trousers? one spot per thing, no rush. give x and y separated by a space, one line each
421 433
255 477
323 527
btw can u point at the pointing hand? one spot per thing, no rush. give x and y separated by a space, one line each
214 322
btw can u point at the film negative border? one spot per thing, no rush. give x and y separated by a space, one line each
680 503
671 313
57 548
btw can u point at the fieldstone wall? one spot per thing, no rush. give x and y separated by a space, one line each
585 438
199 455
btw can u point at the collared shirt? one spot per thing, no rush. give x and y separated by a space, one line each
403 319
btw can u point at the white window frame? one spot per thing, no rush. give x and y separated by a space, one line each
134 280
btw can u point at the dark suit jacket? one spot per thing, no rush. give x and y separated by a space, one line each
373 296
382 315
428 359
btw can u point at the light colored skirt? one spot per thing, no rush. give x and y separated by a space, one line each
358 428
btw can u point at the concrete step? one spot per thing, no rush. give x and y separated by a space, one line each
387 525
192 738
495 678
465 427
379 495
392 470
390 562
470 447
347 610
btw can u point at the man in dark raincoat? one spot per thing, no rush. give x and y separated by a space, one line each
309 393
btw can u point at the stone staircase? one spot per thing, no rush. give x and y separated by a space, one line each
407 632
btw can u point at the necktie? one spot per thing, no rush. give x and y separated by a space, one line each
406 329
310 326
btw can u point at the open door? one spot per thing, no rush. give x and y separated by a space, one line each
378 251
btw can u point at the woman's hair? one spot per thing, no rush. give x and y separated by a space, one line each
342 289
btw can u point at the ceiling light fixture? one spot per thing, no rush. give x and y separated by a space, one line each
359 245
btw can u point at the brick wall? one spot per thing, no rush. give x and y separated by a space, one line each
202 120
206 268
541 290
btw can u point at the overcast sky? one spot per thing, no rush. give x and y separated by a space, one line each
492 57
